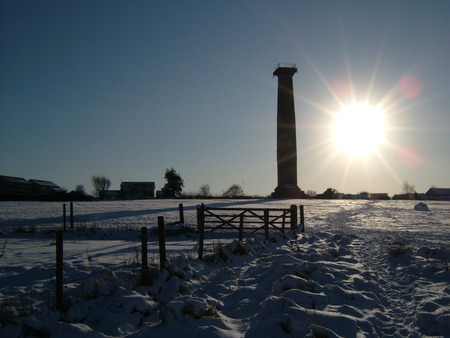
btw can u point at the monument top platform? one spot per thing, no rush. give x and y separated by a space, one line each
285 65
285 70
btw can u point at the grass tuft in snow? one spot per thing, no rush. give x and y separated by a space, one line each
23 230
6 311
219 250
191 310
239 249
400 246
3 247
219 253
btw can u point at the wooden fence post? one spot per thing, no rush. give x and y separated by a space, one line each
302 218
181 210
241 228
162 242
71 215
64 216
266 223
144 265
59 272
294 217
201 228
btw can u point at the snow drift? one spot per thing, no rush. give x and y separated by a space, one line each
362 268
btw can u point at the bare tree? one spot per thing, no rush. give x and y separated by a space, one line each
235 190
100 183
311 193
80 189
204 191
409 189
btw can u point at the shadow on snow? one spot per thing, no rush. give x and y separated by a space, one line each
108 215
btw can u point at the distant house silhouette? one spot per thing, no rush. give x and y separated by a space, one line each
403 197
379 196
110 194
17 188
40 187
10 185
137 190
442 194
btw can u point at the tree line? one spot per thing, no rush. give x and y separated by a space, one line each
173 188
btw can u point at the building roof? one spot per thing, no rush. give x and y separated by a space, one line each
11 179
137 183
438 192
44 183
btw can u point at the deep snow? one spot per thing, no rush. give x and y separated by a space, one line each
363 268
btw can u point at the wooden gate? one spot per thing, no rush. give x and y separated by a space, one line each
244 219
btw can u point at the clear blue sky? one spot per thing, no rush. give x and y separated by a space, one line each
127 89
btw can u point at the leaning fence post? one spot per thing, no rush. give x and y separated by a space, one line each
162 242
64 216
71 215
302 218
59 272
266 223
144 265
201 228
293 217
241 227
180 209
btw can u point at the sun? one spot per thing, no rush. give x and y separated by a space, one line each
359 130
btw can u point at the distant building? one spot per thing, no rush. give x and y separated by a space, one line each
14 186
17 188
379 196
40 187
110 194
360 196
137 190
405 196
441 194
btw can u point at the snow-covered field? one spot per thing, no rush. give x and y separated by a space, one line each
363 268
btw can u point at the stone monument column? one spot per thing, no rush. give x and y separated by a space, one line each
286 136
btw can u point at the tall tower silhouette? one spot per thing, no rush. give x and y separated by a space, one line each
286 135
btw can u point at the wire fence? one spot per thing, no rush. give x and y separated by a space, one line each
90 257
51 266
